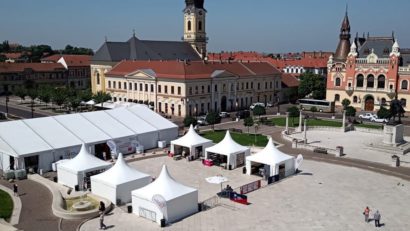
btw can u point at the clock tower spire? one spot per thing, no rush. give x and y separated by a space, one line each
194 26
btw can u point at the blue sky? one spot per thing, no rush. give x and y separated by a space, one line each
250 25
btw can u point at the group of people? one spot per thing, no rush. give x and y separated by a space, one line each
376 216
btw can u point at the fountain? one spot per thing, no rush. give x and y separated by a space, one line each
82 205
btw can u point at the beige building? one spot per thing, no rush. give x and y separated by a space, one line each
192 88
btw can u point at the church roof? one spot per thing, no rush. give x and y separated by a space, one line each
196 3
136 49
381 46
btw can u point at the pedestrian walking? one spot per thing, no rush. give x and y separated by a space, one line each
16 190
366 214
102 225
376 218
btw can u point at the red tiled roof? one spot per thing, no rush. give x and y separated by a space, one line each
12 55
20 67
306 62
193 70
71 60
239 55
290 80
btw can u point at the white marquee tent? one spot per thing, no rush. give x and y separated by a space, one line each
117 182
84 164
234 152
191 140
280 164
165 199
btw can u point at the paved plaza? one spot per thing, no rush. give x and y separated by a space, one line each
322 197
356 145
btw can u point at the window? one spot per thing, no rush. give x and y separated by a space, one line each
125 86
152 87
266 85
337 97
242 86
159 88
189 25
404 85
337 82
223 87
109 84
359 80
200 25
98 78
135 87
209 88
119 85
277 84
270 85
179 90
403 102
354 99
247 85
146 87
216 88
381 81
259 86
190 91
172 89
159 106
166 89
130 86
370 81
251 85
114 84
202 89
141 87
115 99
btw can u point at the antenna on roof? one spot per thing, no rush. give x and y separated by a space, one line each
392 34
133 32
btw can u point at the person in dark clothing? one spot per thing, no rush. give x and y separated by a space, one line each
376 218
16 190
102 214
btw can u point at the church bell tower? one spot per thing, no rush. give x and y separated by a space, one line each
194 26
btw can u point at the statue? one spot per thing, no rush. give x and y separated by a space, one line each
396 109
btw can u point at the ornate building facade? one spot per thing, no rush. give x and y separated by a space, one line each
370 72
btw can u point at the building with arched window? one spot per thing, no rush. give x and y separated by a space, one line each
370 71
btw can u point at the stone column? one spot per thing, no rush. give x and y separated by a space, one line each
305 130
300 121
344 121
287 123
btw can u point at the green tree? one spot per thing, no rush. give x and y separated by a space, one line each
293 112
29 84
212 118
44 94
188 120
345 103
20 92
248 122
3 58
383 113
312 85
32 94
101 97
313 110
350 111
74 102
259 110
85 95
59 96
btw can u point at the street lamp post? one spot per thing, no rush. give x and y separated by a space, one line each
305 130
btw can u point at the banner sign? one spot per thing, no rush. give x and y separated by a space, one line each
113 146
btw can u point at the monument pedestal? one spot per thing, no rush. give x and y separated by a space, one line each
393 134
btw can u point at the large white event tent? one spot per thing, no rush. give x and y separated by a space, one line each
37 143
194 143
234 152
117 182
165 199
84 164
280 164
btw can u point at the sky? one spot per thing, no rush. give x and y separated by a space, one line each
270 26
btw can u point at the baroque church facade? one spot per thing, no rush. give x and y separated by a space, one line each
369 71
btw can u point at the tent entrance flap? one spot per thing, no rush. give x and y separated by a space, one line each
259 169
31 162
181 150
198 152
240 160
282 171
103 151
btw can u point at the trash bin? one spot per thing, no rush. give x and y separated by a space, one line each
129 208
229 167
77 188
162 222
55 179
199 207
244 170
395 161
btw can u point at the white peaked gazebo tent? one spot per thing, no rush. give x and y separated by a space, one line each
117 182
165 199
276 163
194 143
84 164
234 152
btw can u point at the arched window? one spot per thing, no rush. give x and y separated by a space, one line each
189 26
403 102
125 85
404 85
109 84
114 84
200 25
337 82
370 81
354 99
381 81
98 78
337 97
359 80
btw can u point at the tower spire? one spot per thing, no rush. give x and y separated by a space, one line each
344 44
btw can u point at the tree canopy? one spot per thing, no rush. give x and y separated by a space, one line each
312 85
259 110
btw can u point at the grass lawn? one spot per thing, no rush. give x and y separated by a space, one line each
241 138
6 205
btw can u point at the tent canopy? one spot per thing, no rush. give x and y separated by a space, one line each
191 139
227 146
131 120
165 186
83 161
108 124
154 119
120 173
270 155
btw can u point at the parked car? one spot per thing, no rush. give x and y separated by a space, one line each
202 121
256 104
224 114
378 120
367 116
243 114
